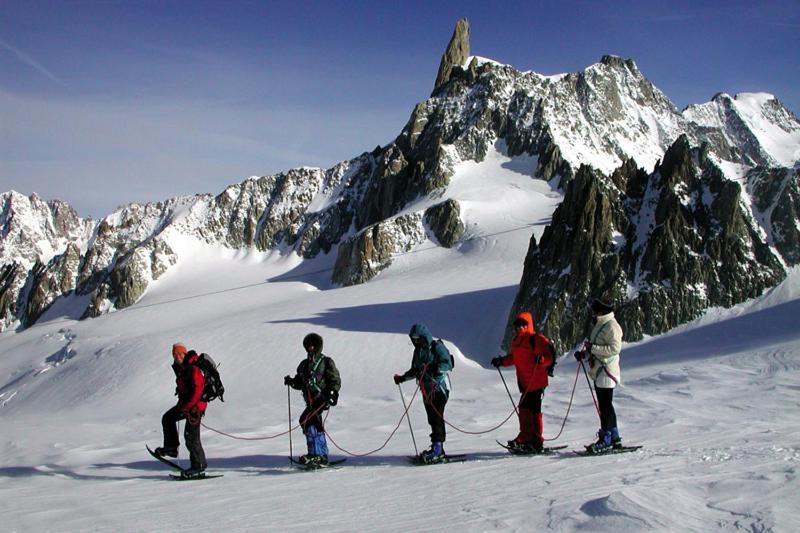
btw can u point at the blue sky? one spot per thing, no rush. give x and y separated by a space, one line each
106 103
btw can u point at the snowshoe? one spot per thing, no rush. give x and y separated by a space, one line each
166 452
202 475
518 449
610 450
418 460
311 459
316 464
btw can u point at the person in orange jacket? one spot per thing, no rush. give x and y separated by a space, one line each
533 356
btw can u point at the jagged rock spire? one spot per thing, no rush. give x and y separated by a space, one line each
456 54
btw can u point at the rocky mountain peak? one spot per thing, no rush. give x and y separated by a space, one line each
34 230
619 62
456 53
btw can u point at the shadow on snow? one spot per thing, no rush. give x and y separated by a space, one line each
474 321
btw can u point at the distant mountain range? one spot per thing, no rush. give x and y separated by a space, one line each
665 212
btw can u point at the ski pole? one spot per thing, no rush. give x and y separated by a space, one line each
508 391
289 403
589 383
408 417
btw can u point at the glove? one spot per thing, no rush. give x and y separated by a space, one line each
551 370
497 362
398 379
580 355
287 380
333 397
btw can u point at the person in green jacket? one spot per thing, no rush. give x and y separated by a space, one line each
318 378
429 365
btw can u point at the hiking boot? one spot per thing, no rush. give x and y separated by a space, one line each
193 472
616 441
603 442
531 447
525 447
319 460
164 451
434 454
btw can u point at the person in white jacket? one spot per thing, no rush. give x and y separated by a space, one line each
602 350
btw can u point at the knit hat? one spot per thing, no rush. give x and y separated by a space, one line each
599 307
178 348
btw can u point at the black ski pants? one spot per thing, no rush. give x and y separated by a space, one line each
312 415
434 407
608 417
191 435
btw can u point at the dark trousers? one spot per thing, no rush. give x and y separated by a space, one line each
434 407
191 435
608 417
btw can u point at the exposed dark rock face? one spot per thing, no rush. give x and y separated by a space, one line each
12 282
776 195
364 255
663 247
456 53
444 221
52 281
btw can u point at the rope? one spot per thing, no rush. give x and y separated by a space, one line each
238 437
460 430
391 435
281 434
408 417
571 396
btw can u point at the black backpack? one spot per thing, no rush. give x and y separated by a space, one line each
213 388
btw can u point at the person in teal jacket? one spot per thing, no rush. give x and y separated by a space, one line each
429 365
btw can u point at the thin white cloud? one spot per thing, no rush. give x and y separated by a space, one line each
28 60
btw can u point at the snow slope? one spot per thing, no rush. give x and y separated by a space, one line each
714 403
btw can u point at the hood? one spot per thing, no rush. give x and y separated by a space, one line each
421 330
527 317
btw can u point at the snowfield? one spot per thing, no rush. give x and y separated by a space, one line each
715 403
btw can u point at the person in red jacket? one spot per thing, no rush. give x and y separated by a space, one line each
532 355
190 382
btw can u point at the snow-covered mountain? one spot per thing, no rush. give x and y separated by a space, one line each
364 211
757 124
